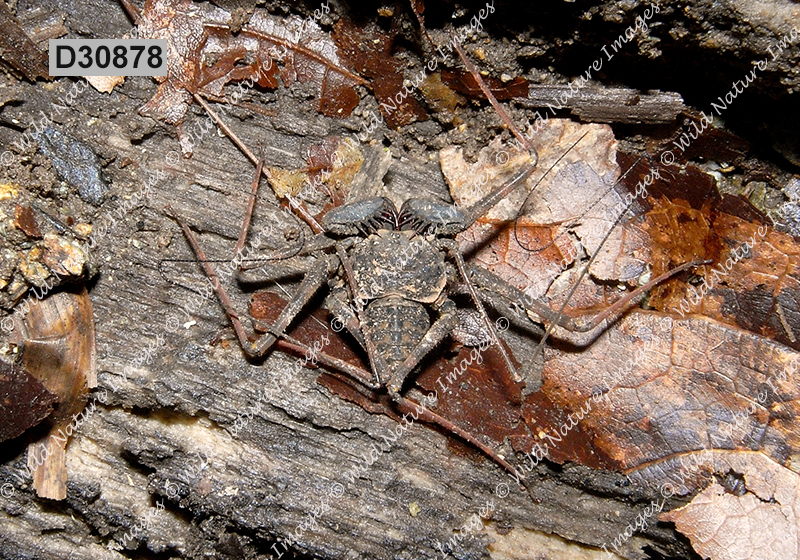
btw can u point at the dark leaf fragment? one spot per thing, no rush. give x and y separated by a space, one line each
24 402
465 84
368 50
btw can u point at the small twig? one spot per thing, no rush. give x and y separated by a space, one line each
227 130
132 10
421 20
489 95
250 206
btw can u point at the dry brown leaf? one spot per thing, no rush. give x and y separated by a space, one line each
573 208
672 387
760 524
524 238
105 84
181 25
58 348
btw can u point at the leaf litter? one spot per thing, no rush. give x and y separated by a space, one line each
661 386
204 55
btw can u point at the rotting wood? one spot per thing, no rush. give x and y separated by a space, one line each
168 433
256 447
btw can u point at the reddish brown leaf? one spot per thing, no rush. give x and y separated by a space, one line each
368 50
266 306
309 56
759 292
689 183
181 24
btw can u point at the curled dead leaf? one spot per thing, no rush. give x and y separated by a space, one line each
57 339
763 523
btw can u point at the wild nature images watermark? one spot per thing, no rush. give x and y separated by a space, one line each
575 86
722 102
687 467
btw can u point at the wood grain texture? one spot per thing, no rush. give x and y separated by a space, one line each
191 451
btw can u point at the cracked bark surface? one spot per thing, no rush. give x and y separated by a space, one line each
165 434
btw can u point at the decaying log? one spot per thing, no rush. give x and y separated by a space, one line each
192 451
190 448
